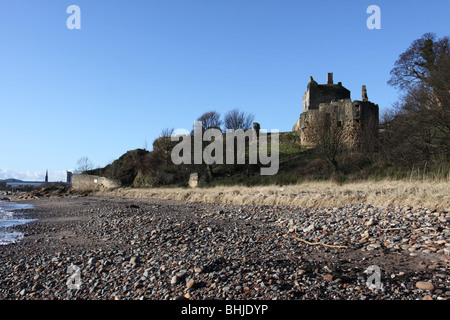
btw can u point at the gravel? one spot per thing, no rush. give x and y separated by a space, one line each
131 249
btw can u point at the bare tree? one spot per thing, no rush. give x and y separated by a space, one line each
328 139
83 165
163 144
145 145
420 130
210 119
236 119
418 61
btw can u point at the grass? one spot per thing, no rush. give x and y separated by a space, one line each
304 179
427 194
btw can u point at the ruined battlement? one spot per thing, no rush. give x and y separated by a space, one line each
335 102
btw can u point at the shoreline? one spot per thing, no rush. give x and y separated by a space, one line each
128 248
12 214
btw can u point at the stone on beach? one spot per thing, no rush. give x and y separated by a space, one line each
424 285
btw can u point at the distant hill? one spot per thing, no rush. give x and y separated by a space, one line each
3 182
10 180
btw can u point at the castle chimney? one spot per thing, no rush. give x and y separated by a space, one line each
364 94
330 78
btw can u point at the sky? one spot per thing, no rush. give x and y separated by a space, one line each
137 67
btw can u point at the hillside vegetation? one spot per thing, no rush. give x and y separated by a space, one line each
140 168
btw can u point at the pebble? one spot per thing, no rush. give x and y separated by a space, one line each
191 284
160 249
328 277
447 251
424 285
175 280
134 260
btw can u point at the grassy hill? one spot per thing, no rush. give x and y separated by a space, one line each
142 168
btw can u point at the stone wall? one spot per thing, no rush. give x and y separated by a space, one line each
90 182
323 93
351 116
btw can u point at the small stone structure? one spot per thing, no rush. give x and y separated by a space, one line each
333 101
91 182
256 128
193 180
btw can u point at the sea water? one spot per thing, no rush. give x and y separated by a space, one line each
9 219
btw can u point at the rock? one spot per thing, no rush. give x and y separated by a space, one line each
37 286
328 277
92 261
369 223
181 273
175 280
193 180
427 298
198 270
447 251
424 285
134 260
191 284
132 206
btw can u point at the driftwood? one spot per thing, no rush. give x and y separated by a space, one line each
318 243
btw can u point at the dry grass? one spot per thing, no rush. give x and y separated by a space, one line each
432 195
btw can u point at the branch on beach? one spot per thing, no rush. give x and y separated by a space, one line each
319 243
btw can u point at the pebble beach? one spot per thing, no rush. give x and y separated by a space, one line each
118 248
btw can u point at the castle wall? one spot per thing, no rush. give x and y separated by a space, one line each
91 182
316 94
334 102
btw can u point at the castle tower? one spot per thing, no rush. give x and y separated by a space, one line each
330 78
364 94
69 177
334 102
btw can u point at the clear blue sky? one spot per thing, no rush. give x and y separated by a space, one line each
137 67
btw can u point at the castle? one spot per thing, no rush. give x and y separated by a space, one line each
334 102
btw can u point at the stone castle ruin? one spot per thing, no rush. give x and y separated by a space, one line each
334 103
